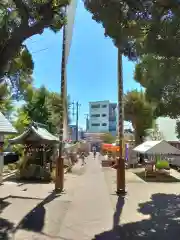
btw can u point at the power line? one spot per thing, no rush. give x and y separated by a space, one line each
44 49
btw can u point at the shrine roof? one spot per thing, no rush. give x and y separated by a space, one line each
34 133
5 125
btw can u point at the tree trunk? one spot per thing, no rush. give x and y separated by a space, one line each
9 51
138 138
13 44
121 162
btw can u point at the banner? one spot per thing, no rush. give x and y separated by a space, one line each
71 12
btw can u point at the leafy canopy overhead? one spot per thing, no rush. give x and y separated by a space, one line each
161 79
141 26
18 77
6 104
21 19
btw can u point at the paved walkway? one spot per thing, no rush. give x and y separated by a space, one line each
91 211
32 211
89 208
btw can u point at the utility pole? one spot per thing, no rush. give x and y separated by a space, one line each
77 120
87 121
75 112
73 109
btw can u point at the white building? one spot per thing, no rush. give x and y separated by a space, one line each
102 117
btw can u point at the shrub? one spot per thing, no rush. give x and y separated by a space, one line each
34 172
12 166
53 174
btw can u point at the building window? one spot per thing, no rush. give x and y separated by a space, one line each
95 106
95 115
104 106
104 124
104 115
95 124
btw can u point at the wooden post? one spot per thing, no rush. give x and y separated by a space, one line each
59 182
120 159
1 157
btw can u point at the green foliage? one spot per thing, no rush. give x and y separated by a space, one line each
161 79
114 16
34 172
139 26
139 112
22 120
54 108
6 104
178 129
36 108
108 138
12 166
40 106
17 76
20 20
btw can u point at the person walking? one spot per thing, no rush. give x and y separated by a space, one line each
82 156
94 151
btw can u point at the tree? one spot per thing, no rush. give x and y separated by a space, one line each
114 17
36 106
108 138
178 129
136 28
22 120
161 79
43 107
6 104
144 26
54 106
19 20
139 112
18 76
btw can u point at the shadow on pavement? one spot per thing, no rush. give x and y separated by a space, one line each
118 211
5 225
34 220
5 228
164 222
21 182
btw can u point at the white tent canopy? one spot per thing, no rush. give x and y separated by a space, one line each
156 147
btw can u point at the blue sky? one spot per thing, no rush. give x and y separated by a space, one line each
92 64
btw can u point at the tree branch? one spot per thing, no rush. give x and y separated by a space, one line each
23 11
37 28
